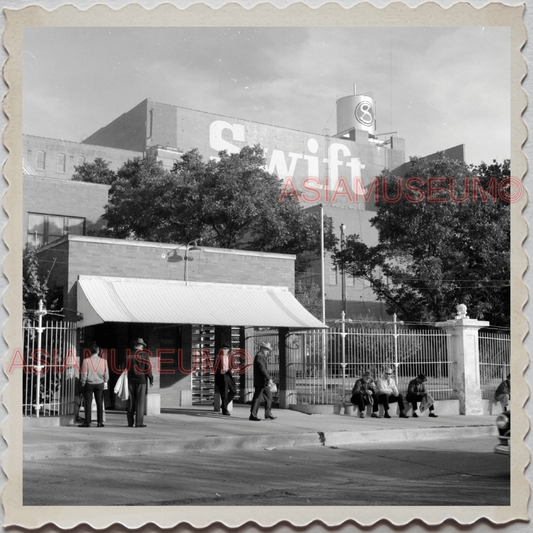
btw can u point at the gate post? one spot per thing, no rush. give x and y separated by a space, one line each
463 349
247 379
287 372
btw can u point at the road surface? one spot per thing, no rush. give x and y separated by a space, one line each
460 472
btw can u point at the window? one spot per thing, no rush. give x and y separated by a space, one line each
333 276
61 163
43 229
81 160
41 160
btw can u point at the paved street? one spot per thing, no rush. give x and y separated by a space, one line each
445 472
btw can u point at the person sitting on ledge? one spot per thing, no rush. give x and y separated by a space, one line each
416 392
387 392
364 393
503 393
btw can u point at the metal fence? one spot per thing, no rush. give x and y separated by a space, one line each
494 360
50 369
327 363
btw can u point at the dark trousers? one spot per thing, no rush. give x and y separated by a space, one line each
414 399
259 392
386 399
362 399
98 390
226 389
136 403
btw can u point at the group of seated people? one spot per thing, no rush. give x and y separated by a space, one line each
384 390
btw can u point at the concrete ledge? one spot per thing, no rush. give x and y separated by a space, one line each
442 407
153 404
48 421
231 442
311 409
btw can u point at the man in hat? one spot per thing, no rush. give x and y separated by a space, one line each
416 392
364 393
224 380
387 393
262 380
139 372
503 393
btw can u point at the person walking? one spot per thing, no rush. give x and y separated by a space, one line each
503 393
416 392
224 380
139 372
387 393
94 375
262 381
364 393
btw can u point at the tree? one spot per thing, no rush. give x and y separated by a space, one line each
34 286
95 172
229 203
444 239
309 297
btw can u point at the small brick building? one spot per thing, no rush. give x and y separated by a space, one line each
184 302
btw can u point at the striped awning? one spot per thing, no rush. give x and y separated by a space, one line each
108 299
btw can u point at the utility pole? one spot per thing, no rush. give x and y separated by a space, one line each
343 271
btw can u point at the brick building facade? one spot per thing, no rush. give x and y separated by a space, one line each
73 257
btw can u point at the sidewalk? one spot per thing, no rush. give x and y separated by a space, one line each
200 428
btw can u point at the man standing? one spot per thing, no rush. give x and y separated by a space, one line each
139 370
364 393
224 380
262 380
503 393
387 392
416 392
94 375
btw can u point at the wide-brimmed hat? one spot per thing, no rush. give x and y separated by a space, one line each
139 341
388 370
422 377
266 345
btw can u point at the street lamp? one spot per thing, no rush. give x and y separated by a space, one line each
186 258
343 271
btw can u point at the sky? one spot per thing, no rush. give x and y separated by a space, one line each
435 87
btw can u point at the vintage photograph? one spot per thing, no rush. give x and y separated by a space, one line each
266 266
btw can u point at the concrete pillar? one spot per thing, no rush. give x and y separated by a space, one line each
184 386
463 350
247 379
287 372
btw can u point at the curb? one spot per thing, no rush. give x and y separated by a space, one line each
34 452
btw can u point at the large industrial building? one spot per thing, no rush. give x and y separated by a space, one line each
330 169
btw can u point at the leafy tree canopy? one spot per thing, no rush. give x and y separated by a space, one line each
442 242
232 202
309 296
96 172
34 286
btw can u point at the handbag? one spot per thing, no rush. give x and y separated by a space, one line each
121 387
426 403
272 386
